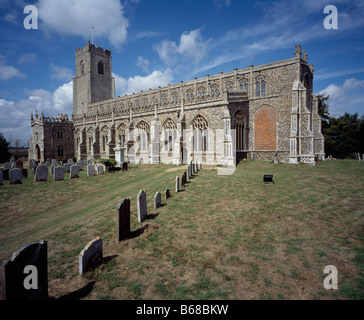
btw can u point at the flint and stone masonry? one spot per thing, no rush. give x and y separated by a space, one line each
260 113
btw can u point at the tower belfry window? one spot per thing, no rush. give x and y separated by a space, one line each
100 67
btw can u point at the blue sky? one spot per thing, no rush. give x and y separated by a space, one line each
157 42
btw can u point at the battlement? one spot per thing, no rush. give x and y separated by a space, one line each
61 118
91 47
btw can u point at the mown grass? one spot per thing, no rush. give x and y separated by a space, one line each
222 237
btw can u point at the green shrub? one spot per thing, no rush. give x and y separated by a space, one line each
107 162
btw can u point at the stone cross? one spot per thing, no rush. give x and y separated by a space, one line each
123 219
142 206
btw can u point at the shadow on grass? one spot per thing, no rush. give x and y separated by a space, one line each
78 294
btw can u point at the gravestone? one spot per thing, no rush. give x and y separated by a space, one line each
52 170
70 161
74 172
188 172
41 173
1 178
48 162
24 173
7 166
123 219
15 176
32 164
80 164
91 256
91 170
125 166
100 169
58 174
54 162
177 184
66 167
19 164
184 179
167 194
25 275
142 206
157 200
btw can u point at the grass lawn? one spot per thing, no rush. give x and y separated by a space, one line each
221 237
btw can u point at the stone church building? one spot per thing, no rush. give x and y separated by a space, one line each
263 112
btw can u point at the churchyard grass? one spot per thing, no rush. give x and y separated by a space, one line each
221 237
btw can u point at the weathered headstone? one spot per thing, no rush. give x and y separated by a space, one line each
52 170
32 164
7 166
123 219
48 162
70 161
100 169
54 162
91 170
25 275
157 200
184 179
15 176
167 194
125 166
91 256
177 184
58 174
41 173
80 164
142 206
19 164
188 172
66 167
74 172
1 178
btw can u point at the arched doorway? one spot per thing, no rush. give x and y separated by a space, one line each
37 153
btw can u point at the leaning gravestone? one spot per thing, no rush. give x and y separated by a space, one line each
74 172
7 166
142 206
167 194
25 275
15 176
1 179
91 256
100 169
157 200
177 184
41 173
58 174
123 219
91 170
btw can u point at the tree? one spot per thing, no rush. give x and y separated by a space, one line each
323 109
4 149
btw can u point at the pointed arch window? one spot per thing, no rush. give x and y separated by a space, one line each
170 134
200 134
143 135
59 134
100 67
244 84
260 86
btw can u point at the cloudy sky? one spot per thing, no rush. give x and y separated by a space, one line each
157 42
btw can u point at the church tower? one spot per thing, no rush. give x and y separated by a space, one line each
93 81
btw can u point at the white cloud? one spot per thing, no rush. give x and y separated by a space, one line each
143 63
61 73
71 17
8 72
138 83
27 58
15 115
345 98
192 47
